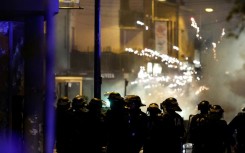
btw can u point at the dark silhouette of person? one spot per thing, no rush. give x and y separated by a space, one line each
197 130
152 143
219 135
172 126
96 129
137 124
79 125
237 127
116 121
62 125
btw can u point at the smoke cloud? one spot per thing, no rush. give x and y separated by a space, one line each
225 76
223 73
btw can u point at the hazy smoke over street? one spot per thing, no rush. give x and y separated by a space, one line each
223 75
223 69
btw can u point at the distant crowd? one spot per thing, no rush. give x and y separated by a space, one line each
83 126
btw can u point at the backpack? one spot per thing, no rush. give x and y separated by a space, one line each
197 128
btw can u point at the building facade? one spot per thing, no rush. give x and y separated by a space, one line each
125 24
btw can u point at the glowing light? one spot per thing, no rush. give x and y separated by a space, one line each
142 74
107 103
227 72
173 82
201 88
196 62
154 54
149 67
209 10
176 48
194 25
140 23
157 69
214 51
170 62
223 33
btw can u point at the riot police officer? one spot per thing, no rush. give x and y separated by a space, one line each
219 136
116 121
153 110
79 124
62 125
96 129
197 132
137 123
79 103
152 143
172 126
237 127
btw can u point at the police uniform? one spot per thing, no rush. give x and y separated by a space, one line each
237 126
197 132
172 124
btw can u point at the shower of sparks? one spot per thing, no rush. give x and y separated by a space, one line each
223 33
175 82
170 61
202 88
214 51
194 25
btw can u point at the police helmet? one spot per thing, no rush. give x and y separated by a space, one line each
79 101
243 109
116 100
63 103
134 99
171 104
95 103
153 108
115 96
216 109
204 105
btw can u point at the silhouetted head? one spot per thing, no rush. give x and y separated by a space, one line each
63 103
153 109
204 106
116 100
216 111
133 101
170 104
95 104
79 102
